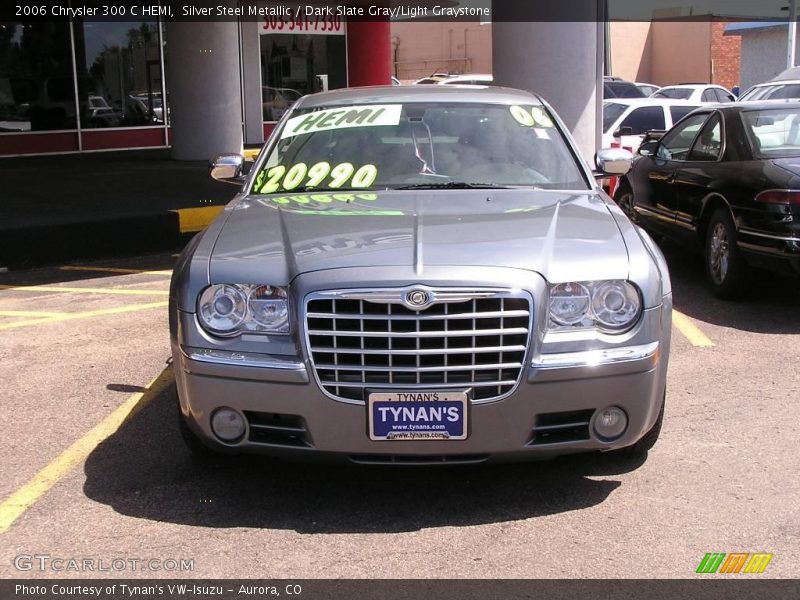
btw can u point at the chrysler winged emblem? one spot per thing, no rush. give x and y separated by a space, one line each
417 298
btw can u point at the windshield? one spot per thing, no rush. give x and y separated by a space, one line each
773 133
611 112
396 146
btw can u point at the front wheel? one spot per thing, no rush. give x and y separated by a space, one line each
725 268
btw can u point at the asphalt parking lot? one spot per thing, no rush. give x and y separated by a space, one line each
94 468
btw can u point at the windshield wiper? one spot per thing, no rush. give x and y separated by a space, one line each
453 185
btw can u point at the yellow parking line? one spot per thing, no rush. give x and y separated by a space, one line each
81 290
83 315
30 313
119 270
690 330
251 153
26 496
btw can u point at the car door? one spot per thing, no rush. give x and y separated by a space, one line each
655 199
701 173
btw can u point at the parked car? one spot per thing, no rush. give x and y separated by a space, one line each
695 92
420 275
276 101
433 78
648 89
726 178
627 121
614 87
468 79
785 86
145 108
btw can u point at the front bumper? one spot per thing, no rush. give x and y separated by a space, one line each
548 414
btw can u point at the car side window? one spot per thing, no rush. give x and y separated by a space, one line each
678 112
709 95
644 119
676 143
708 145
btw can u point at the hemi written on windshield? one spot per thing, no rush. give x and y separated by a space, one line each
343 117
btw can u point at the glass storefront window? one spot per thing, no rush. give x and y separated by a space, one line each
293 65
119 74
36 84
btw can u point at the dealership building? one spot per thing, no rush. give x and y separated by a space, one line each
74 85
205 86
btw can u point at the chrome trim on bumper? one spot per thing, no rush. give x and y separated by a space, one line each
782 238
592 358
240 359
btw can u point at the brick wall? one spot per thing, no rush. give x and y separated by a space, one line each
726 56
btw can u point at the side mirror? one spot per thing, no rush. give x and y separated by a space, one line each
228 168
623 131
613 161
648 148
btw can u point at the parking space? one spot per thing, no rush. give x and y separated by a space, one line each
95 468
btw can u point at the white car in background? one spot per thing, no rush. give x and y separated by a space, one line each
695 92
626 120
786 86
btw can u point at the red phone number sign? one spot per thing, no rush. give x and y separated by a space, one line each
319 25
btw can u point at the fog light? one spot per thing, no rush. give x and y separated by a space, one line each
610 423
227 425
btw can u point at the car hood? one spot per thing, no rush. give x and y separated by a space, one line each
564 236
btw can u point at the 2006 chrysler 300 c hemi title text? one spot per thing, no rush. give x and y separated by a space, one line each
415 275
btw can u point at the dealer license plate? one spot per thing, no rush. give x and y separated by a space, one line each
414 416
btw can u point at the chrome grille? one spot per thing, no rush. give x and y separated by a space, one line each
357 344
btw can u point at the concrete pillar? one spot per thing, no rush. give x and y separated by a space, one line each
534 49
204 88
369 53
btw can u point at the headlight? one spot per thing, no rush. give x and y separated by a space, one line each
230 309
612 306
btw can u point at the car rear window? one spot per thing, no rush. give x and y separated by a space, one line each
622 89
773 133
674 93
611 112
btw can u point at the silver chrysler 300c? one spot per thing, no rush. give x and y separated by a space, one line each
413 275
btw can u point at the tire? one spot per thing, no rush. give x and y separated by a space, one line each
197 448
624 199
646 443
726 270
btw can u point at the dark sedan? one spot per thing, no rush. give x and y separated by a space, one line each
726 177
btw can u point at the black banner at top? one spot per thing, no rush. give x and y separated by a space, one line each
485 11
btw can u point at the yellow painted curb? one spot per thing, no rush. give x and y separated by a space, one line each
192 220
251 153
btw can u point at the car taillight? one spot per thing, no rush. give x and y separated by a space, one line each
779 197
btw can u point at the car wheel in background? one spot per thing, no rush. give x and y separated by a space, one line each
624 199
726 270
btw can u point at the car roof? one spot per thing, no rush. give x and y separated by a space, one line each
418 93
693 86
774 82
762 104
650 102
